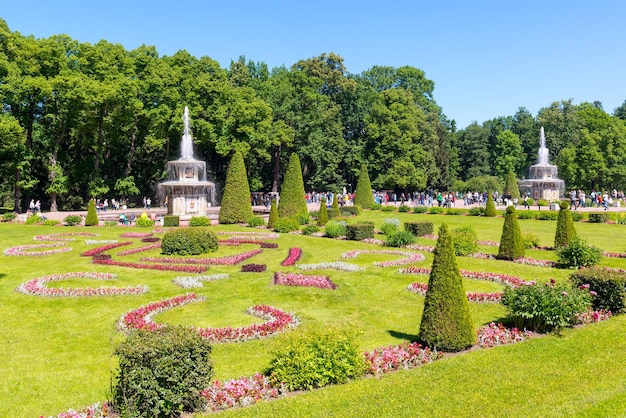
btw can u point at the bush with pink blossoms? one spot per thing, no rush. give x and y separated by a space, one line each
240 392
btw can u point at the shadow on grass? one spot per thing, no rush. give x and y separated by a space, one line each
403 336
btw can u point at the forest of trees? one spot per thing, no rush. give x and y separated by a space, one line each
81 120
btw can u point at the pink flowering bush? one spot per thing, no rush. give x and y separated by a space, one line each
37 287
294 255
295 279
493 335
23 250
229 260
399 357
240 392
410 257
100 250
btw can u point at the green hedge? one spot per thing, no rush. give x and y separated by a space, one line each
72 220
171 220
419 228
199 221
609 286
189 241
350 210
358 232
598 218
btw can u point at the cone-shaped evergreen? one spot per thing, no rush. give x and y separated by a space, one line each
92 215
490 209
236 206
364 197
292 201
446 321
511 185
271 222
335 205
322 217
512 241
565 230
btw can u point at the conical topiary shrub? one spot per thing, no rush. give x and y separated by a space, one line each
364 196
446 321
92 215
322 217
236 205
511 186
565 230
512 241
490 209
292 200
271 222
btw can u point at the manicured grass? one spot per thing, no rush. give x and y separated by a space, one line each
55 353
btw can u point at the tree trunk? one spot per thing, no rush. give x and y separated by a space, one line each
276 171
17 192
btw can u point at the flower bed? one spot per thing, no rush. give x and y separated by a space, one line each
61 237
100 241
335 265
250 234
140 249
614 255
234 242
136 234
295 279
276 320
399 357
151 239
229 260
294 255
478 275
37 287
253 268
493 335
427 248
373 241
478 297
591 317
240 392
100 250
96 410
188 282
534 262
410 257
164 267
21 250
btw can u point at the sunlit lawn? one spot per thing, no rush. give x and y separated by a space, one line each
55 353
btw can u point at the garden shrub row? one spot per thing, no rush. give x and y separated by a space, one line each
609 286
171 220
189 241
419 229
360 231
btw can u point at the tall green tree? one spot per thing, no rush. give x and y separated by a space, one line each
508 154
363 196
511 186
474 154
292 201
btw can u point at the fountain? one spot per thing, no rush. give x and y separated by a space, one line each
542 182
187 191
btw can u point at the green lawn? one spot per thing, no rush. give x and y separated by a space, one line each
55 353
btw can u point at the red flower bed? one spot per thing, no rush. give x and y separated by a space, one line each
226 261
237 242
140 249
164 267
296 279
253 268
404 356
294 255
100 250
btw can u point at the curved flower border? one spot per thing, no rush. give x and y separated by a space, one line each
276 320
20 250
227 260
422 288
478 275
336 265
37 287
295 279
189 282
410 257
294 255
60 237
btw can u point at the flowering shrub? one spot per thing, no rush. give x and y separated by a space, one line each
276 320
37 287
100 250
399 357
411 257
20 250
493 335
294 255
164 267
240 392
591 317
188 282
229 260
336 265
140 249
295 279
253 268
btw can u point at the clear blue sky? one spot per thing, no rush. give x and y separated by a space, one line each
487 58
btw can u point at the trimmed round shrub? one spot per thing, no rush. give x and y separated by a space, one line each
364 197
316 359
477 211
286 225
92 215
162 373
292 201
578 254
436 210
189 241
349 210
511 241
399 239
376 206
236 206
143 221
389 208
335 229
72 220
199 221
465 240
446 321
598 218
255 221
526 214
403 208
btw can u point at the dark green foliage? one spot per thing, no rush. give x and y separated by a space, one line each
349 211
171 220
565 230
578 254
527 214
71 220
419 229
545 307
322 218
285 225
420 209
399 239
162 373
512 240
446 322
609 286
577 216
403 208
316 359
255 221
388 208
598 218
465 240
376 206
530 240
189 241
292 201
358 232
302 218
477 211
273 218
490 209
310 229
436 210
335 229
364 196
390 226
236 206
511 185
546 215
335 205
92 215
